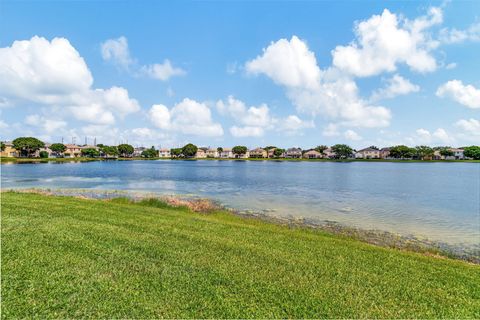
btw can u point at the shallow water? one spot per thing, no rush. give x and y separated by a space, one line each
438 201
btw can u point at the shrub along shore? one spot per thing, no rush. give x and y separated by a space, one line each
67 257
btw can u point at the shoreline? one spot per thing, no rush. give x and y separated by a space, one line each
375 237
9 160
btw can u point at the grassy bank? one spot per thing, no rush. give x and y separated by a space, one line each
66 257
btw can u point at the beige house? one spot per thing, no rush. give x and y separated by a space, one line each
384 153
271 153
368 153
226 153
457 153
258 153
9 151
200 153
137 152
242 155
164 153
293 153
46 149
211 153
329 153
438 156
72 151
312 154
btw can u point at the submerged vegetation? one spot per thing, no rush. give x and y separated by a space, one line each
66 257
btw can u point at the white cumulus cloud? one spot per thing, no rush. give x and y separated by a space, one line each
117 52
396 86
292 65
162 71
246 131
53 73
254 121
470 126
451 36
42 71
438 137
352 135
47 125
292 124
188 117
331 130
467 95
288 63
383 41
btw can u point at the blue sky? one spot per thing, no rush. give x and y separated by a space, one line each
241 73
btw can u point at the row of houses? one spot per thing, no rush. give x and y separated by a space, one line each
297 153
71 151
227 153
384 153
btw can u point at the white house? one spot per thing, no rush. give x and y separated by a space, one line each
137 152
164 153
312 154
226 153
329 153
368 153
200 153
211 153
457 153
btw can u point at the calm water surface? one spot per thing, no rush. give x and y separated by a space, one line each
440 201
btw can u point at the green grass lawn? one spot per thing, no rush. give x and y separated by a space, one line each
69 258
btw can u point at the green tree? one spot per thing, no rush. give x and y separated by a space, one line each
58 148
278 152
238 150
472 152
27 145
321 148
176 152
150 153
219 149
109 151
90 152
374 147
342 151
446 152
125 150
43 154
401 152
269 147
424 152
2 146
189 150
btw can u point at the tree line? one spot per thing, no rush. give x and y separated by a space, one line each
28 146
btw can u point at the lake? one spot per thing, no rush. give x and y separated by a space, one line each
439 201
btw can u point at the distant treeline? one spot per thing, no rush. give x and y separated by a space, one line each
33 147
